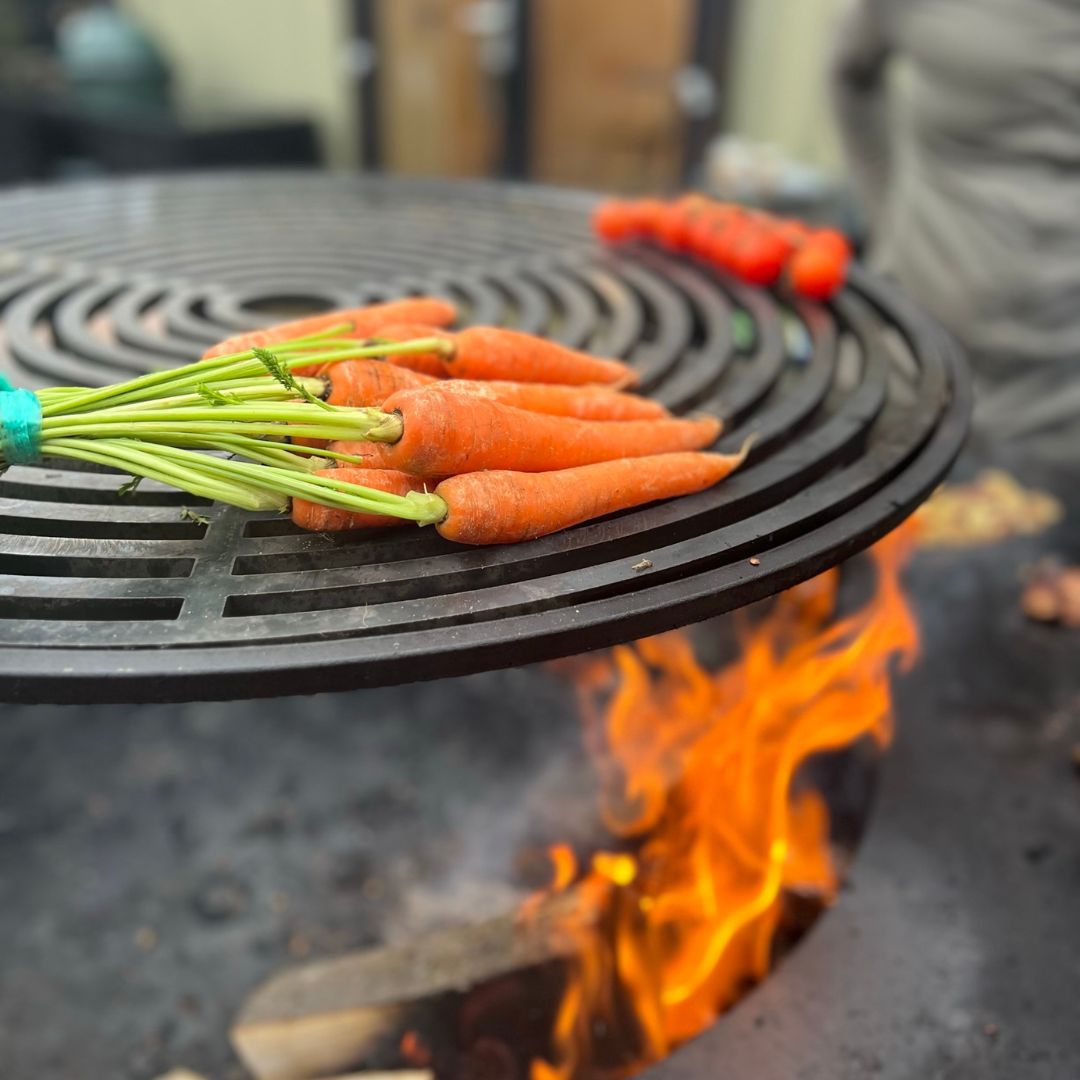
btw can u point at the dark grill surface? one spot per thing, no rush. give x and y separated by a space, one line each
859 411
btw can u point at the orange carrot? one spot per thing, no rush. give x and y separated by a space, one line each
490 352
445 434
318 518
426 363
376 455
487 352
360 383
502 507
303 440
425 311
582 402
507 507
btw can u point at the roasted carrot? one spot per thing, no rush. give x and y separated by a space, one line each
318 518
360 383
506 507
425 311
486 352
582 402
445 434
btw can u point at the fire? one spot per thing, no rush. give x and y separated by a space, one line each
710 828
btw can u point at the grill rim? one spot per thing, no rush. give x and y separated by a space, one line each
588 615
163 675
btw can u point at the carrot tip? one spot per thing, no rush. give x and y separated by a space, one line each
748 444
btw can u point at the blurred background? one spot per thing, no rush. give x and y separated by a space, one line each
943 136
626 95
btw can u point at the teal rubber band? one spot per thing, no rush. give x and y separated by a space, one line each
20 425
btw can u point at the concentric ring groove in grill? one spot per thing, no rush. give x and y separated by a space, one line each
114 597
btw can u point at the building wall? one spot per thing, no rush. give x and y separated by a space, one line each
779 64
261 56
288 56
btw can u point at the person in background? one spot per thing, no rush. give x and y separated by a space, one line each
961 122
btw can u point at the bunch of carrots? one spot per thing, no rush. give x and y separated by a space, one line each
499 436
754 246
381 415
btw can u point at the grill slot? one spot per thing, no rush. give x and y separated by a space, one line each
345 550
101 529
273 527
74 566
144 495
80 609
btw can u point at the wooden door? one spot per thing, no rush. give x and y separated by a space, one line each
603 105
439 110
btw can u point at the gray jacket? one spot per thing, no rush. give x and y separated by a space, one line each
961 120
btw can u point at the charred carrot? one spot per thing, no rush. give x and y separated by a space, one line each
581 402
445 434
427 311
318 518
507 507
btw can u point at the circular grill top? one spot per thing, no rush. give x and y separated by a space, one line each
859 409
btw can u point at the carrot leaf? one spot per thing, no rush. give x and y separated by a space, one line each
273 364
216 397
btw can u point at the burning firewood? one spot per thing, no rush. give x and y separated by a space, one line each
489 989
706 881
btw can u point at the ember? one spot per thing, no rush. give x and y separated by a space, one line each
709 832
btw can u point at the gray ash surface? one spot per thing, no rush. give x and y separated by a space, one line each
157 862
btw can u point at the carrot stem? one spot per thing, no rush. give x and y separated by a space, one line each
268 418
212 372
245 484
283 455
153 467
242 390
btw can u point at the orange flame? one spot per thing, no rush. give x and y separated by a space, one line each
696 772
563 865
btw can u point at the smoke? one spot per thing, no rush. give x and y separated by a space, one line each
509 778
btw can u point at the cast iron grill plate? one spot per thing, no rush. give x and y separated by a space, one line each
859 409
